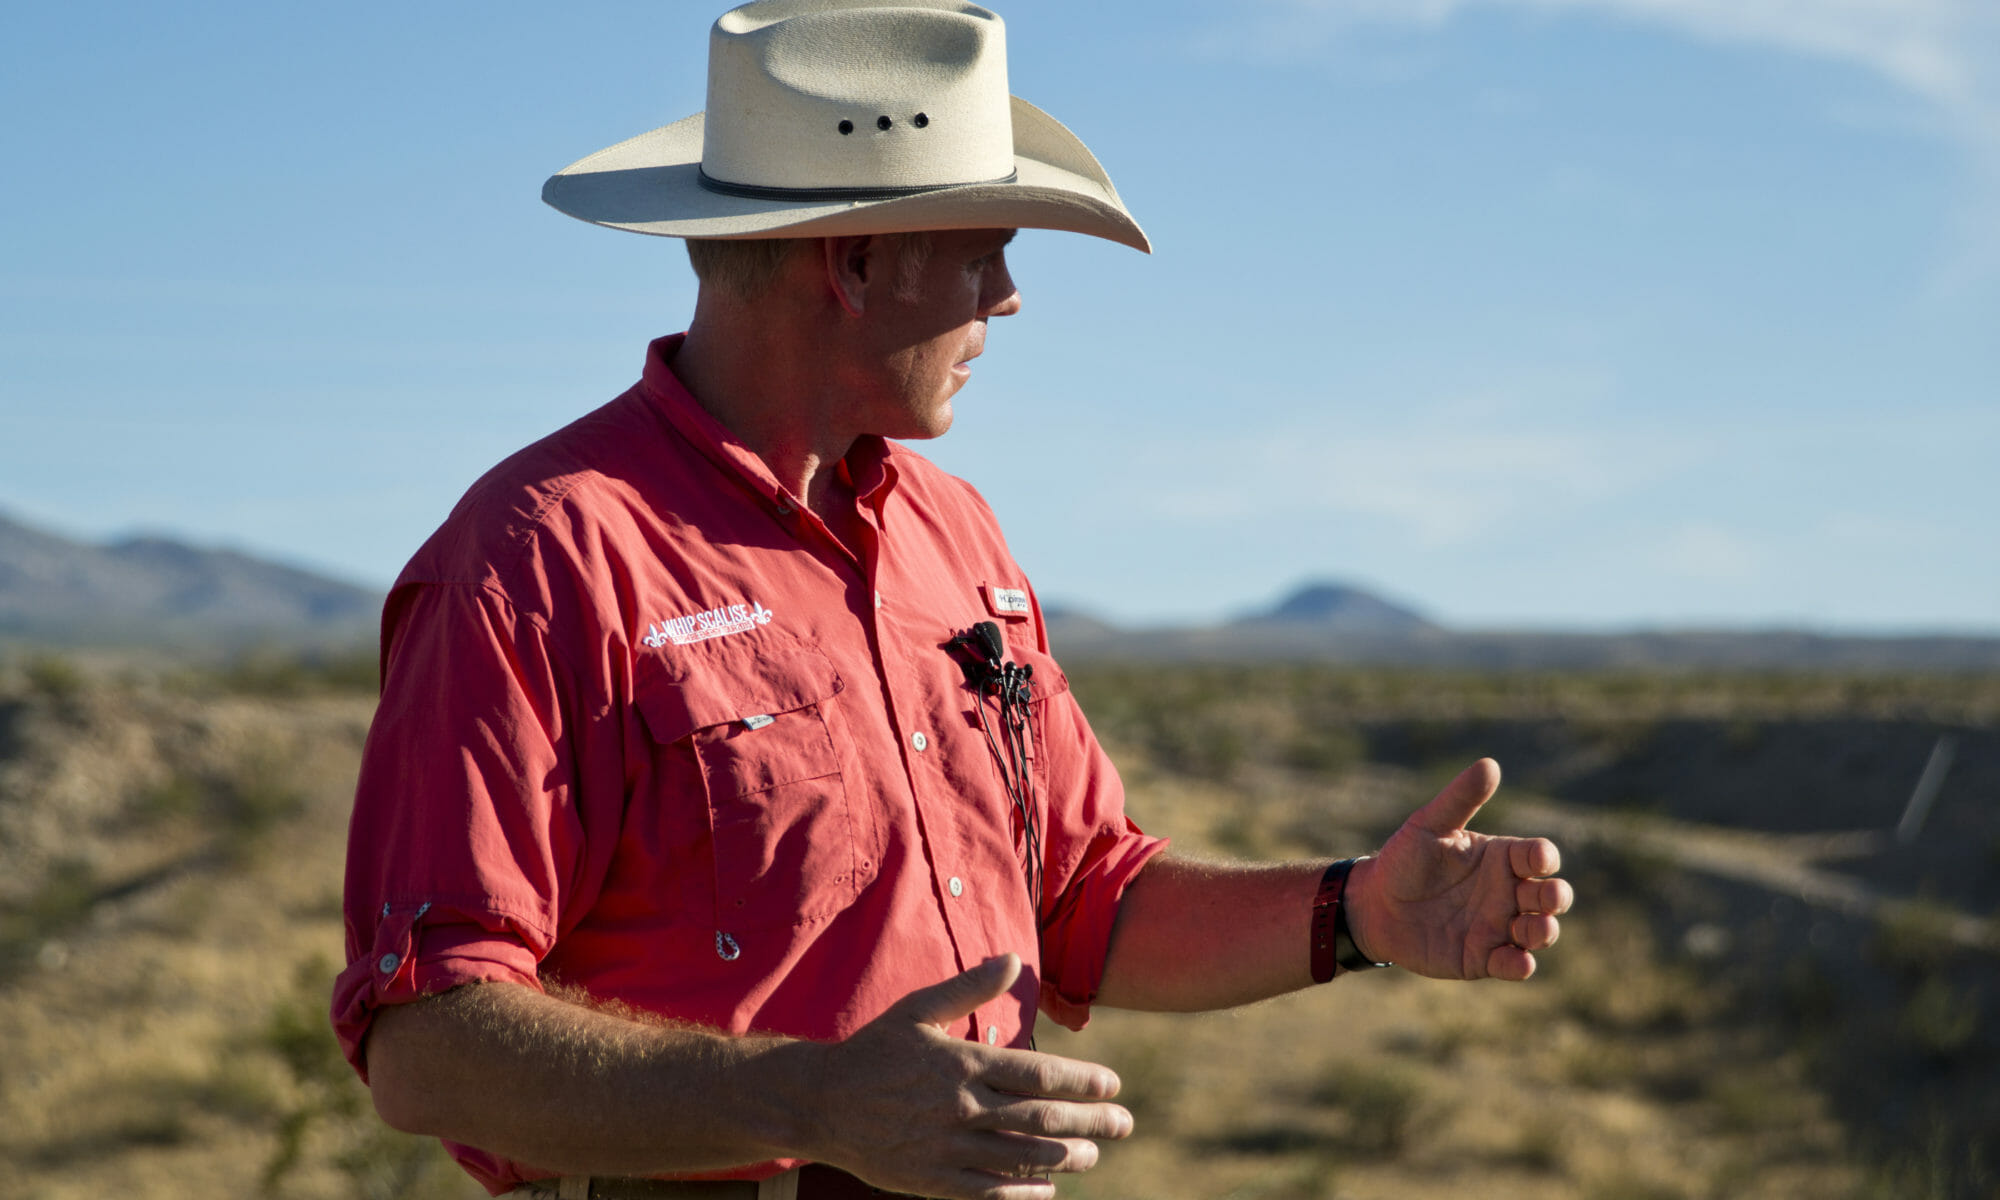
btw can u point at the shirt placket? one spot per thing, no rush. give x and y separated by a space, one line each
961 907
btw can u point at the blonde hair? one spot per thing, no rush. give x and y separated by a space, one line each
745 268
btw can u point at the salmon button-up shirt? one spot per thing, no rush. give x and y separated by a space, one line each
647 729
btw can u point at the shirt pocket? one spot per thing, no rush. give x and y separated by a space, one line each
782 830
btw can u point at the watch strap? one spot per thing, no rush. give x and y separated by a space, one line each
1334 950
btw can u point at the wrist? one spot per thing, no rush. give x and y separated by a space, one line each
1333 948
790 1075
1362 905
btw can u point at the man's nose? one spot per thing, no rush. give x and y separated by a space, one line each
1001 298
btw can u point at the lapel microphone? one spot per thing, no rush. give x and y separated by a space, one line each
982 654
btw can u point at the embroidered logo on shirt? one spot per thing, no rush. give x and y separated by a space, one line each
1010 600
710 623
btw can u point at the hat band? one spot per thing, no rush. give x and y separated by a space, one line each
751 191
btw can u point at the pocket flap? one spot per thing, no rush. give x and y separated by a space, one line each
729 687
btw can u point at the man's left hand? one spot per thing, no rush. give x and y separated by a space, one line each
1443 901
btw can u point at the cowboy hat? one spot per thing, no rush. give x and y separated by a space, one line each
848 117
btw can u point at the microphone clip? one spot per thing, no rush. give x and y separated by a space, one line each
982 654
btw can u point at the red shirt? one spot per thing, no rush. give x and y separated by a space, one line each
648 729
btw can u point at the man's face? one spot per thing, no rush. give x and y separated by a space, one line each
927 325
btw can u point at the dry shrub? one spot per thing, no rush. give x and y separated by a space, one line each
1915 939
1380 1103
1622 982
1940 1020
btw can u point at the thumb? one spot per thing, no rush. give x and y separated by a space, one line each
942 1003
1451 810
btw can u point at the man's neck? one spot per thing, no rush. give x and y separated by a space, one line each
765 394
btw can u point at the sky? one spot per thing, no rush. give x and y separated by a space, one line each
1596 314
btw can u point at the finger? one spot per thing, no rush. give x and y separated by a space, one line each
1534 931
942 1003
1453 807
1056 1118
1030 1073
986 1185
1552 896
1511 963
1017 1156
1533 858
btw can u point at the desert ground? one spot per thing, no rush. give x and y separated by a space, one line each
1763 992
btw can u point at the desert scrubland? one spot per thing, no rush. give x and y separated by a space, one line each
1762 993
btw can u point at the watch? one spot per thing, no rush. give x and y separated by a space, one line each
1334 951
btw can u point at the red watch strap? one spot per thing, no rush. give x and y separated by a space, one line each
1326 910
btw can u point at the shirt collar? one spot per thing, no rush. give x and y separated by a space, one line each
867 463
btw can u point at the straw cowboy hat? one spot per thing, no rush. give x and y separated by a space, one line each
848 117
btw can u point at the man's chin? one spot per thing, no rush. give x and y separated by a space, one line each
931 425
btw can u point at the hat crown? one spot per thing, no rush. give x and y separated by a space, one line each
850 95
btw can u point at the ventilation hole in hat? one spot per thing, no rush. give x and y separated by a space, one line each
883 122
846 127
921 120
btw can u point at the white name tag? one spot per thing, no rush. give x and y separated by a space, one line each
758 721
1010 600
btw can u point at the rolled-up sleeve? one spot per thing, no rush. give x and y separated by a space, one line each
466 845
1094 852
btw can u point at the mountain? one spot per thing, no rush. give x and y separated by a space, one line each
1340 608
1343 623
154 590
165 594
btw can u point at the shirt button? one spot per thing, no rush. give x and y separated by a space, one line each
992 1035
957 886
389 962
919 741
878 599
784 507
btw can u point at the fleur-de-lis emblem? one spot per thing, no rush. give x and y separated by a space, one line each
759 613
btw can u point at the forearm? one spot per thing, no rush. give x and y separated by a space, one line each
1193 936
540 1080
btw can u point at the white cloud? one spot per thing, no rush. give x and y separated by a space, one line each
1946 52
1932 47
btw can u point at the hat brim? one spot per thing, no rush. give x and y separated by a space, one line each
651 184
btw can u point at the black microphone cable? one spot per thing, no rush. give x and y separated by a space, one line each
989 673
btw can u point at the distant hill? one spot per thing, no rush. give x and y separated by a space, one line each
1336 622
1339 608
154 591
165 594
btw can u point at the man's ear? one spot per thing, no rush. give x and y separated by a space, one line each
849 266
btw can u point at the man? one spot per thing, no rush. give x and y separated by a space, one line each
725 817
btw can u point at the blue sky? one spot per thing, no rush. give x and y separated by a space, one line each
1599 313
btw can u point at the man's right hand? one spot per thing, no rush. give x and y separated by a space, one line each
909 1108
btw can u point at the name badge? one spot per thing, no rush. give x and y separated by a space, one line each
1006 601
